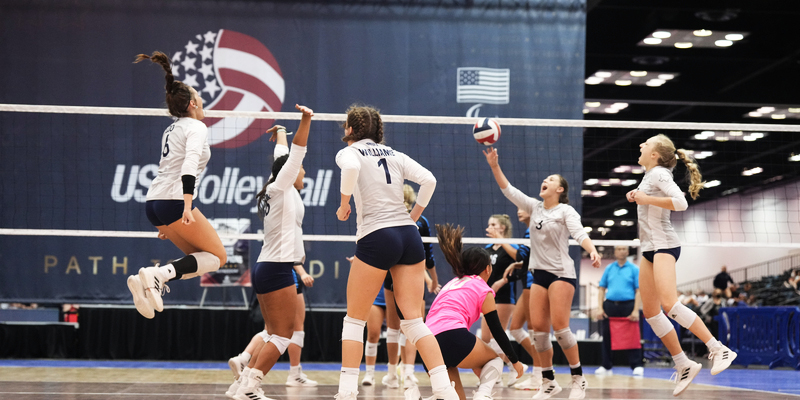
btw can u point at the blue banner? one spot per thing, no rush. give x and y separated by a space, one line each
62 171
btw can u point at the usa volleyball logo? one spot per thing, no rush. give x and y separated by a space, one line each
231 71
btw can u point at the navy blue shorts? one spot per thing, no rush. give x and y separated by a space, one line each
529 280
387 247
545 279
456 344
298 283
674 252
164 212
271 276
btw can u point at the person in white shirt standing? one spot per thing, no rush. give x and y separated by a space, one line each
282 210
184 154
553 220
656 196
386 240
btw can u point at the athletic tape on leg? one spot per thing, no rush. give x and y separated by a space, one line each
402 339
298 338
414 329
682 314
660 325
565 338
353 329
541 341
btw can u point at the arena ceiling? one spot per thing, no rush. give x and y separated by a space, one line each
723 82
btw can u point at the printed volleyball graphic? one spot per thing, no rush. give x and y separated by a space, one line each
231 71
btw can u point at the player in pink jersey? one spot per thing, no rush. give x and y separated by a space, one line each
460 304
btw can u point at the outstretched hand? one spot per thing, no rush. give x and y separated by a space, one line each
274 132
305 110
491 157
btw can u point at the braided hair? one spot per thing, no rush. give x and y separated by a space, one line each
179 94
366 123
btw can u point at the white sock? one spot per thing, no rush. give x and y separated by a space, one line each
713 344
408 369
254 381
348 380
245 357
440 381
167 272
294 370
681 360
370 370
392 369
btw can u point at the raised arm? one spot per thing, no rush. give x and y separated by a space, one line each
494 163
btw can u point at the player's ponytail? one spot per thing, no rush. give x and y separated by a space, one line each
563 198
366 123
471 261
178 93
261 198
693 173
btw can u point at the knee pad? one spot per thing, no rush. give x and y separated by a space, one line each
565 338
353 329
264 335
660 325
682 314
392 335
280 342
541 341
414 329
298 338
494 346
491 370
402 339
519 335
206 262
371 349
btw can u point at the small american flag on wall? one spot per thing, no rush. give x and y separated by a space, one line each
483 85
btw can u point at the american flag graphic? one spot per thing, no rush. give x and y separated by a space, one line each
483 85
231 71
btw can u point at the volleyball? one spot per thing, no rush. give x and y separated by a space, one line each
486 131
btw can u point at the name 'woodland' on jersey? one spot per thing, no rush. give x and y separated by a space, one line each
229 188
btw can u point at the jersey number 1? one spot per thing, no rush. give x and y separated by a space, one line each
382 162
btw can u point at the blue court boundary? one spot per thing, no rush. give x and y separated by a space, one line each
784 381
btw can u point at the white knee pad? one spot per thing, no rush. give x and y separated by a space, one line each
491 371
392 335
280 342
371 349
298 338
353 329
519 335
494 346
565 338
402 339
414 329
264 335
660 325
206 262
541 341
682 314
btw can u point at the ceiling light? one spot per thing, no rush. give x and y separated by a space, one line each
683 45
757 135
629 182
711 184
602 74
752 171
666 77
614 181
723 43
592 104
652 41
794 110
721 138
620 212
610 110
766 110
590 182
661 34
735 133
702 33
754 114
587 229
794 157
593 80
609 222
734 36
655 82
622 82
585 110
638 73
620 106
778 116
749 139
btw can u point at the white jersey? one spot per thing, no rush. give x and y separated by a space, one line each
184 151
283 222
379 187
655 229
550 231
